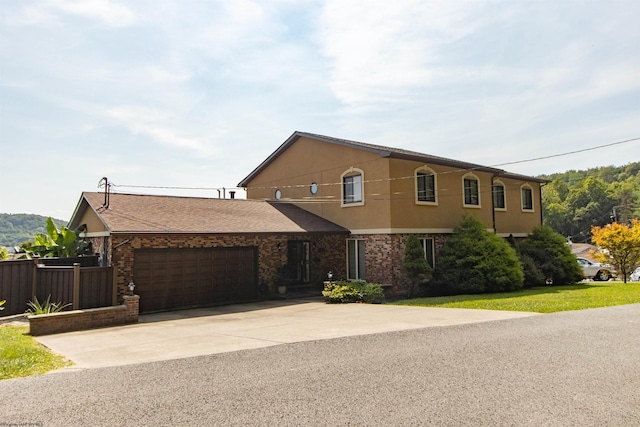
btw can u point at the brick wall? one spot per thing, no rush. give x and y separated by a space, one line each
79 320
327 252
383 258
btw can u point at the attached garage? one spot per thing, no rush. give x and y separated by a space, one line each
184 252
169 279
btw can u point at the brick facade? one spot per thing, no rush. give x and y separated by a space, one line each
383 258
383 254
327 252
80 320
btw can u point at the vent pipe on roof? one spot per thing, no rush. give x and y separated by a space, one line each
107 186
232 194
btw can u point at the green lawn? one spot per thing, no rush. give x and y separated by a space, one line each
23 356
548 299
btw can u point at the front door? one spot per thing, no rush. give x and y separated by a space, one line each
298 262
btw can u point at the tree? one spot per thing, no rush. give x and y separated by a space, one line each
4 254
552 256
476 261
62 243
415 264
622 245
576 200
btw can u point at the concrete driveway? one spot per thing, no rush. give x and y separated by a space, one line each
204 331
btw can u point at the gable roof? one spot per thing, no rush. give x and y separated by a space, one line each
136 213
383 151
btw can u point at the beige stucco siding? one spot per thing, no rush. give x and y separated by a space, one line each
407 214
94 224
514 220
308 161
390 201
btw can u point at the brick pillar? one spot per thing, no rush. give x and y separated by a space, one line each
133 307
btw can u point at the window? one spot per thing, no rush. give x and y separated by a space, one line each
278 194
527 198
425 186
313 188
471 191
352 188
499 202
355 259
427 247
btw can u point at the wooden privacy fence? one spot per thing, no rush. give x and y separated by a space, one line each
82 287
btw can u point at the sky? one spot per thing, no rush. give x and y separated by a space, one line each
196 94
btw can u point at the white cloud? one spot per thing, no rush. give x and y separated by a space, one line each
154 124
110 12
381 50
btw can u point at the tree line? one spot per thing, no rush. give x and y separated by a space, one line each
574 201
19 228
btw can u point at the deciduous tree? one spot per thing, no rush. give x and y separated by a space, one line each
621 244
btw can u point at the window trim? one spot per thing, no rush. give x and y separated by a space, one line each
528 187
359 270
425 170
499 183
347 174
471 176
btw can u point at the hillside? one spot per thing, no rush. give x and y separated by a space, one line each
18 228
576 200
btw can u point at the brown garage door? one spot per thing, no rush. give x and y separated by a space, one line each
169 279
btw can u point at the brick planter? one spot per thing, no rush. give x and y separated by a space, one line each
79 320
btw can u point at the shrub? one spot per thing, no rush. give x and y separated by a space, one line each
415 265
343 292
476 261
47 307
552 256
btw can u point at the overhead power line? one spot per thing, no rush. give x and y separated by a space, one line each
387 179
569 152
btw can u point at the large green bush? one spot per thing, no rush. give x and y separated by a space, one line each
476 261
344 291
552 256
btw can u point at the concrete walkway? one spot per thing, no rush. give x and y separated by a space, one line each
197 332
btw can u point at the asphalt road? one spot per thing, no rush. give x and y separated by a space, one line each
566 369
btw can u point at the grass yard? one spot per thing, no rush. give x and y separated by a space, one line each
549 299
23 356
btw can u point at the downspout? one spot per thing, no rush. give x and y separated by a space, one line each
542 184
493 208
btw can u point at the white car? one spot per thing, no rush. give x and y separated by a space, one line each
635 276
595 270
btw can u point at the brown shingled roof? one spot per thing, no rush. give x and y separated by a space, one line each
134 213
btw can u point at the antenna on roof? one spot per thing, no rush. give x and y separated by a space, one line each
104 183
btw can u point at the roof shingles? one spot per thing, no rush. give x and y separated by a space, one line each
134 213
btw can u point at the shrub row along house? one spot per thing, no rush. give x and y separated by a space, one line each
315 204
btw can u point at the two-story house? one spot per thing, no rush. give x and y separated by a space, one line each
382 194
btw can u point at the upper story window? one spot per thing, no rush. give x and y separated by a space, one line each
471 190
527 198
499 201
426 186
353 187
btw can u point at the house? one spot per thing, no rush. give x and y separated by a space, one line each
383 194
316 204
184 251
